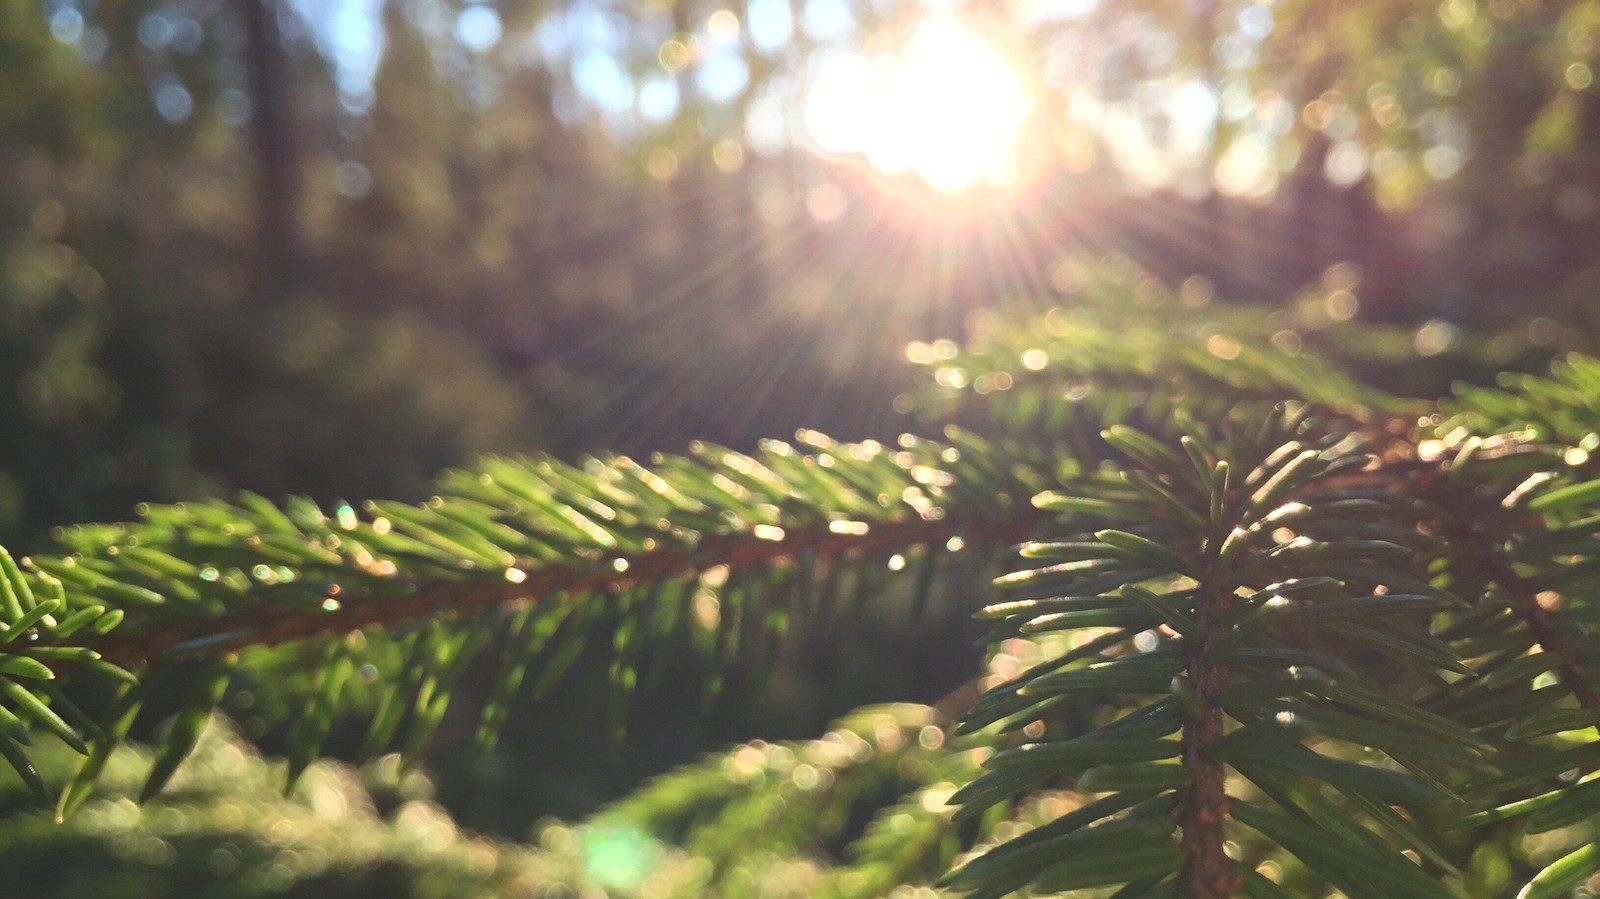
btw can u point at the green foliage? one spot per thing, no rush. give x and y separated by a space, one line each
762 805
224 829
1266 631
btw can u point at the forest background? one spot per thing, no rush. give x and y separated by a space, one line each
330 247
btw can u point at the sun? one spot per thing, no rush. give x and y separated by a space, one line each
946 106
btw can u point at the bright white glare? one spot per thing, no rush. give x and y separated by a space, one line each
946 107
723 75
1245 168
827 20
658 98
478 28
771 24
840 103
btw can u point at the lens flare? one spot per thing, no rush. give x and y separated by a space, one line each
946 107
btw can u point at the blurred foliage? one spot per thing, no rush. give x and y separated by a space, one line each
225 829
231 228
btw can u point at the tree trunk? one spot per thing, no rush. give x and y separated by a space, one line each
272 138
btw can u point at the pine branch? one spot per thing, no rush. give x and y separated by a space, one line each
1486 557
1305 604
1240 590
276 624
1207 873
1515 491
539 550
1106 358
1500 483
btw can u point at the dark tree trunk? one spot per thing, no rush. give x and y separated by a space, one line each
273 142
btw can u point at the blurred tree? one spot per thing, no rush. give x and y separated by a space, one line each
273 138
602 216
59 450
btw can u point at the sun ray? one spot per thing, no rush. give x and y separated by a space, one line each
946 107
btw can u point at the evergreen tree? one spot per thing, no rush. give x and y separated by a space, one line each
1257 629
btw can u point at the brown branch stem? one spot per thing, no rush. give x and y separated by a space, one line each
277 624
1207 873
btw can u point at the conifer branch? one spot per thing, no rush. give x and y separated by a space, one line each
1309 599
280 623
1208 873
1491 563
